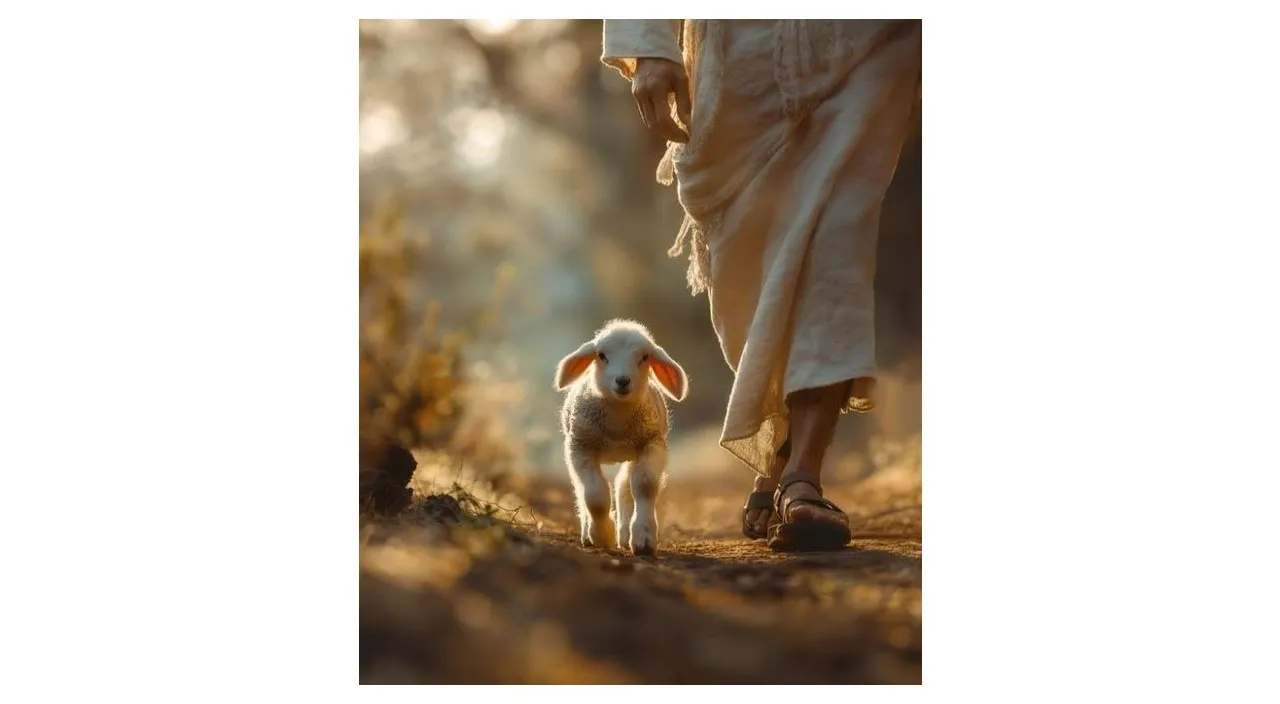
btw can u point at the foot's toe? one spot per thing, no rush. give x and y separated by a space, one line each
809 512
758 513
804 511
759 519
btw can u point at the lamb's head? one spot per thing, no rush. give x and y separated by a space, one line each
623 355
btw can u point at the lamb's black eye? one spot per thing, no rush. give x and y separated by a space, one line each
644 358
602 357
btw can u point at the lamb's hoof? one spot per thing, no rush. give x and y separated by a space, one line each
643 549
644 538
601 542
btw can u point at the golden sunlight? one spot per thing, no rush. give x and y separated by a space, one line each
492 27
483 134
382 126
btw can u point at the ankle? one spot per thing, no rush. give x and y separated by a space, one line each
795 474
765 483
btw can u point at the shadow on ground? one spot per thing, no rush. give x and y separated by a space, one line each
462 598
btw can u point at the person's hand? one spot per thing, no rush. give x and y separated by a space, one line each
654 82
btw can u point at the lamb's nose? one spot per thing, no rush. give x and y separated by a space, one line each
623 382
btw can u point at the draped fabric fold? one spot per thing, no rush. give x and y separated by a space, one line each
795 134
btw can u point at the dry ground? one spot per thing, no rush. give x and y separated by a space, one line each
449 594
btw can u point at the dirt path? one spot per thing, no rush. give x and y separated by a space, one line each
482 600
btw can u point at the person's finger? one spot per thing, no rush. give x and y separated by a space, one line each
667 128
683 107
663 125
645 106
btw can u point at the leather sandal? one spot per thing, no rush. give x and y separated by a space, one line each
757 500
808 534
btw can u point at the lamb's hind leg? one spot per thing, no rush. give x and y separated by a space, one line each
623 505
646 478
591 491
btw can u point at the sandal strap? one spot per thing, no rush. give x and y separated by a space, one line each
759 500
782 489
823 503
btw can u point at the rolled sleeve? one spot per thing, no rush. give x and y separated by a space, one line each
628 40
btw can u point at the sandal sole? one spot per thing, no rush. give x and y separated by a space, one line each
808 536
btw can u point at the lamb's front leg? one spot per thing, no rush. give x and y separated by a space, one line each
624 508
647 475
591 491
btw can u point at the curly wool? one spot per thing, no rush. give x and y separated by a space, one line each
594 424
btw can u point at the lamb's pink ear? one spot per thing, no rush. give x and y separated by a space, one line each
670 376
574 365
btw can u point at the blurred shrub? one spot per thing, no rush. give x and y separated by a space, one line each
410 371
412 382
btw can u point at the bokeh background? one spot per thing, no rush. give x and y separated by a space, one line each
508 205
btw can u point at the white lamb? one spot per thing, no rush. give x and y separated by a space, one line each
618 415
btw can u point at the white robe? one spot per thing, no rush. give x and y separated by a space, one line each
795 134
